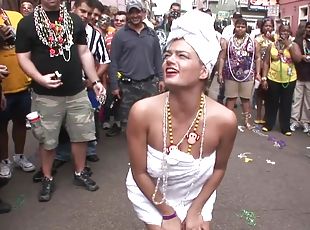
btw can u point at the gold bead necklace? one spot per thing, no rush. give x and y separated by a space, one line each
191 136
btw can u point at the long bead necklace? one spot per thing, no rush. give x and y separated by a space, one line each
280 48
192 137
164 164
57 36
240 51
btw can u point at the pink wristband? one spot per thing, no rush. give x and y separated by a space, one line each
170 216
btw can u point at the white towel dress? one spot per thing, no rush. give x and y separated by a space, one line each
186 176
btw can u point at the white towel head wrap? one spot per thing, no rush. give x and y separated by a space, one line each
197 29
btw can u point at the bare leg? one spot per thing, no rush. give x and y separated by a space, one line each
79 155
230 103
153 227
47 157
246 108
246 105
19 135
206 225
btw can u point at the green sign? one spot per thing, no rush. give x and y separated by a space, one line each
222 15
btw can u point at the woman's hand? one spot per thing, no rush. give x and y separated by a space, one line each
193 222
172 224
220 79
264 84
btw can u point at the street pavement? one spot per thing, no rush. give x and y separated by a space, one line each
253 195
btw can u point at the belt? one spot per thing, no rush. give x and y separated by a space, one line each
130 80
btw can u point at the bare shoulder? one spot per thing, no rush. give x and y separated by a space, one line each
147 107
220 115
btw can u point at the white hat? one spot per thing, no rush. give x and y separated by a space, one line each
197 29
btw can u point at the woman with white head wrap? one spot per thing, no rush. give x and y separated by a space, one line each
179 142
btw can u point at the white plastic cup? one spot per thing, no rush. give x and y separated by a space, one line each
256 84
33 117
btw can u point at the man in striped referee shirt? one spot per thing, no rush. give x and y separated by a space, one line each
96 45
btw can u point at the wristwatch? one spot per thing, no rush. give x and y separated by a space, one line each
264 79
95 82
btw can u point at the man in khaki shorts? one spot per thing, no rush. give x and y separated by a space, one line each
53 55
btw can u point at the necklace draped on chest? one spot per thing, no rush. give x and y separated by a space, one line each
194 133
58 35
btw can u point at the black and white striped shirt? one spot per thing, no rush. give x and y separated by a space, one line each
96 45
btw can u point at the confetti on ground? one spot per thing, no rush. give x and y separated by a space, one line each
277 143
259 132
244 155
247 160
270 162
249 217
241 128
20 200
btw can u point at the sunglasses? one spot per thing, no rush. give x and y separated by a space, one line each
117 20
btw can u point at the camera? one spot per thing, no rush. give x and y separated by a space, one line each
174 14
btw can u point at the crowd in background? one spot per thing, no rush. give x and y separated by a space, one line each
269 67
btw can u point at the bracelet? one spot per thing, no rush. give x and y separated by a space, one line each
169 217
264 79
95 82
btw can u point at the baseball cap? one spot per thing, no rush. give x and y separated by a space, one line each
237 15
134 4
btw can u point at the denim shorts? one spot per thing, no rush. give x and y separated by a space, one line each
18 106
75 112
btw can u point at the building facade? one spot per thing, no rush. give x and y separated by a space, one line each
295 12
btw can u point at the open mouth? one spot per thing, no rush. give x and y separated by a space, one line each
171 72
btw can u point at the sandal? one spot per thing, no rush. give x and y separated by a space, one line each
259 122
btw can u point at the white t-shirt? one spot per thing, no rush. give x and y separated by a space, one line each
228 32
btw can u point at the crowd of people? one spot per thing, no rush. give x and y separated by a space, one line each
72 69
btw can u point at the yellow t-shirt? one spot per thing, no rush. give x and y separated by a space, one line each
281 72
17 80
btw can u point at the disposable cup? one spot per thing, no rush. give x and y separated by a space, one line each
33 116
256 84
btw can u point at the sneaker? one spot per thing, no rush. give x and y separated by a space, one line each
84 180
294 126
21 161
114 130
6 169
4 207
106 125
47 189
92 158
306 127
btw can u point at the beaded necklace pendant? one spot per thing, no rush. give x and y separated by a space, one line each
191 136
